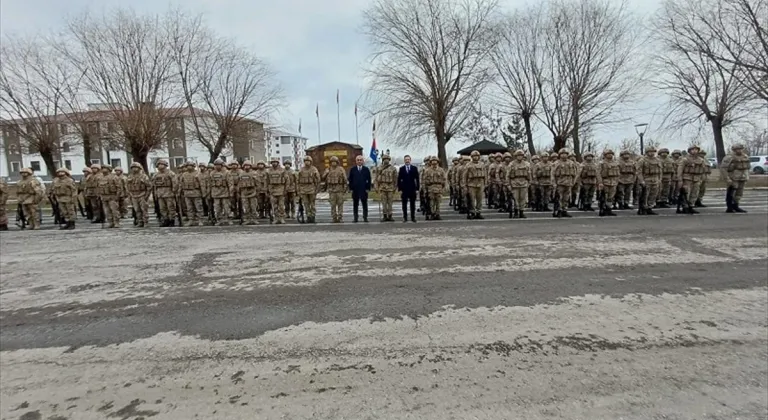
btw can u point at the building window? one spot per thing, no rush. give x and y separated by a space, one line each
116 163
277 145
285 140
35 165
65 147
15 167
178 161
68 164
95 161
93 128
13 149
63 129
111 127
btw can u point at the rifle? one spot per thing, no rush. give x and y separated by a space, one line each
56 210
101 212
470 208
211 212
239 209
601 202
157 207
729 201
682 201
300 212
21 221
80 207
642 209
581 205
511 205
268 210
452 201
503 203
178 211
427 207
539 200
556 205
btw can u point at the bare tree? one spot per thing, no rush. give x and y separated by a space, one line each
36 87
429 65
225 86
593 46
128 62
699 88
630 144
518 59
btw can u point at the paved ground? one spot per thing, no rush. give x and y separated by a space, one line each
589 318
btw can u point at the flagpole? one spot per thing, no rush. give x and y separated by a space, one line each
338 115
357 137
317 113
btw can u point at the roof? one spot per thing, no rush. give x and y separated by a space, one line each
340 143
101 115
485 147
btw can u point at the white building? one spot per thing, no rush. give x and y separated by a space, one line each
180 145
286 146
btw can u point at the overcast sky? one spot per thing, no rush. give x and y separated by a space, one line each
316 47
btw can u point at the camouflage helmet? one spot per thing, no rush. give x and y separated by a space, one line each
434 159
466 157
162 162
677 152
218 162
287 162
703 152
624 153
455 159
65 170
563 151
233 163
535 158
261 162
737 146
663 150
118 169
191 162
308 159
274 159
474 153
693 146
519 153
334 159
508 155
107 167
555 155
25 171
385 157
650 149
608 152
95 166
588 154
87 170
136 165
499 155
247 163
210 165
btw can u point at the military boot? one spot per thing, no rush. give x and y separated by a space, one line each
641 211
521 215
564 213
64 225
692 210
71 225
738 209
4 226
479 216
698 203
650 212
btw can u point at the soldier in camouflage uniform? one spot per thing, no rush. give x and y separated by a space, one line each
233 174
336 184
649 171
193 190
3 202
249 195
608 180
544 180
290 190
461 181
735 168
690 173
261 189
30 193
435 179
164 189
475 177
519 177
139 188
627 175
534 189
675 185
564 175
110 189
64 189
92 193
703 187
308 184
576 185
502 180
452 180
667 176
221 192
589 176
123 200
277 180
385 186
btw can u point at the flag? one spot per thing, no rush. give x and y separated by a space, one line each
337 96
299 125
374 155
317 110
355 108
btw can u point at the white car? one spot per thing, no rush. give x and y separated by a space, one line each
759 164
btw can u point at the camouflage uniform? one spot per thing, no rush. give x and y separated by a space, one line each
502 180
278 180
3 203
649 172
690 173
192 188
164 189
518 178
609 179
249 195
122 201
668 174
233 175
627 175
336 184
675 184
475 177
110 189
462 184
91 193
435 179
139 187
30 193
703 187
452 180
64 189
544 180
308 183
221 191
290 190
385 186
261 189
589 175
577 184
735 167
564 174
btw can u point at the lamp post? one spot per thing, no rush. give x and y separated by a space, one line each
640 130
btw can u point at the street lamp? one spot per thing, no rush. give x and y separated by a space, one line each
640 130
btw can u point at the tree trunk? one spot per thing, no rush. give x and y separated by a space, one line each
215 152
576 140
528 132
87 148
559 143
442 141
140 155
717 131
47 155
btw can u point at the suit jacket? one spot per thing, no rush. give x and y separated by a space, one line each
359 180
408 181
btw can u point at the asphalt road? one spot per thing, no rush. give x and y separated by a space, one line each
589 318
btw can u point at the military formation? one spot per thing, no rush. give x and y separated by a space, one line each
219 193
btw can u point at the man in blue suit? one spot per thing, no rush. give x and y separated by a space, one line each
359 183
408 185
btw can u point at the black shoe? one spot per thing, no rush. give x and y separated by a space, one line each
470 216
698 204
738 209
610 213
437 217
556 214
730 210
413 219
521 215
64 226
71 226
546 208
4 227
641 212
691 210
650 212
355 219
479 216
141 224
564 213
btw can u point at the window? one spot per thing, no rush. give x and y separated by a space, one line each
35 165
277 145
178 161
95 161
13 149
65 147
93 128
754 158
63 129
68 164
111 127
56 164
15 167
30 128
116 163
285 140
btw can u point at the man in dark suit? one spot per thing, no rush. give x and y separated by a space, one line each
360 183
408 185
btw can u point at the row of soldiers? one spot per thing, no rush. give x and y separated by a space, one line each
509 181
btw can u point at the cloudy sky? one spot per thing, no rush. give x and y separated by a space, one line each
316 47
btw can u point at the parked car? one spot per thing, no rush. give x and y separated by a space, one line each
759 164
712 163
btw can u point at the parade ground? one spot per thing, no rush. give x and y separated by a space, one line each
628 317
